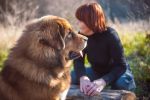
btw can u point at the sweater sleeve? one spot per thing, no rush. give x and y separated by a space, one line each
117 56
79 67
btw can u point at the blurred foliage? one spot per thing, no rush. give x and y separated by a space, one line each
17 12
137 51
126 9
3 56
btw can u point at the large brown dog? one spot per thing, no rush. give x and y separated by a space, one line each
36 68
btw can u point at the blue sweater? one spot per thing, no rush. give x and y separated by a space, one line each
105 54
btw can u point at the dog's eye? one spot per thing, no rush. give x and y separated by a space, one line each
69 35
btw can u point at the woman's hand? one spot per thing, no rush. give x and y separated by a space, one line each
96 87
84 83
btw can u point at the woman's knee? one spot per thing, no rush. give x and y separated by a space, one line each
125 85
125 82
74 78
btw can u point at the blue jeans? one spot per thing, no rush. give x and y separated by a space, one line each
125 82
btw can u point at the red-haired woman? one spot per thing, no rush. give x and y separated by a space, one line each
104 52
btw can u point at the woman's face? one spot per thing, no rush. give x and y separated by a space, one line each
84 29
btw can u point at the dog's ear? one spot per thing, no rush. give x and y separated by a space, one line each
61 42
54 38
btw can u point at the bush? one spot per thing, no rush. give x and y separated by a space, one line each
3 56
138 54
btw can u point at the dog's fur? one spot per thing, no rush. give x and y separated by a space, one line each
36 68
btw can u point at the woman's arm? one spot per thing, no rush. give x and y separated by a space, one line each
81 73
79 67
117 56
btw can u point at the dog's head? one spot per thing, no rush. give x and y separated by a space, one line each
51 38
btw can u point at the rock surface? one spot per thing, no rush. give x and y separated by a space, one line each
75 94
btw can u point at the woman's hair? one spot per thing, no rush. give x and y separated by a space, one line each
93 16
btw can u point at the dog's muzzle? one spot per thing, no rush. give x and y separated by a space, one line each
75 55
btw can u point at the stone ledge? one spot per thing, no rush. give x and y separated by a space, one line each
75 94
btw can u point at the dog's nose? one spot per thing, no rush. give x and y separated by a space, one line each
85 38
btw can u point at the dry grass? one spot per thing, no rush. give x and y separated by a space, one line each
131 27
8 37
127 31
22 12
14 20
9 34
62 8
